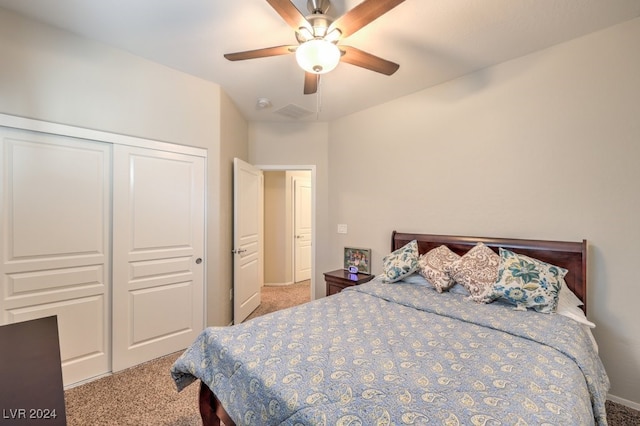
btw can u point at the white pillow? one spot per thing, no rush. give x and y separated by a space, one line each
569 296
569 306
416 278
459 289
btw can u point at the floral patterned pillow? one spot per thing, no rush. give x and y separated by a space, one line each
477 271
527 282
432 264
400 263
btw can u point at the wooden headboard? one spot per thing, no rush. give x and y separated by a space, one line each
567 254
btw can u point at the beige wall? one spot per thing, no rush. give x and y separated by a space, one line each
287 144
277 270
233 143
55 76
544 147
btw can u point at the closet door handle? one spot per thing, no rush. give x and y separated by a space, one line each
198 261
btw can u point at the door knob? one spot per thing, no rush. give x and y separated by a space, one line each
198 261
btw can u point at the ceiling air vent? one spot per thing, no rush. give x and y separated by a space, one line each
293 111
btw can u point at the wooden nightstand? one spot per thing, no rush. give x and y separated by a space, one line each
340 279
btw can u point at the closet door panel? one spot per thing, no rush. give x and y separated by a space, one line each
78 320
55 251
158 288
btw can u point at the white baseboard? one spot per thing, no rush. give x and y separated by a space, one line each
85 381
278 284
625 402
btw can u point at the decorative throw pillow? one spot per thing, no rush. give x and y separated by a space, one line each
477 271
401 262
431 265
527 282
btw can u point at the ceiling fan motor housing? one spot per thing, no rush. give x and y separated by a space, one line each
318 6
319 25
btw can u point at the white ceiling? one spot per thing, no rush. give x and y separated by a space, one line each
433 41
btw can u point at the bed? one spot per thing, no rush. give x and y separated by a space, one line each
404 353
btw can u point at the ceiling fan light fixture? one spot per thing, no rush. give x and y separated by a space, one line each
333 35
318 56
304 34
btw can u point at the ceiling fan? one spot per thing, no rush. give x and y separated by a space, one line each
318 36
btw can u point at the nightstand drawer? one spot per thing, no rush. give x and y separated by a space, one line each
340 279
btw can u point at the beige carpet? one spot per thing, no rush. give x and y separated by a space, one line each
142 395
146 395
282 297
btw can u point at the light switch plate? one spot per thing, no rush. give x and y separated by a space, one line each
342 228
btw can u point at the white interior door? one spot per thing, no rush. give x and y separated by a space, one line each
158 240
302 228
54 245
247 239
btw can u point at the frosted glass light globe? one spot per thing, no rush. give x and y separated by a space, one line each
318 56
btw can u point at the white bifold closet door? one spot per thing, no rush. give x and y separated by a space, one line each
55 246
158 251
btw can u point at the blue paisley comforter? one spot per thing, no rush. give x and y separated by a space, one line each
400 354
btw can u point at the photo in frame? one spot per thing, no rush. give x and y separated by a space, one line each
359 258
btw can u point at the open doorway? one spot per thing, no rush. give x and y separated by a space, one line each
289 252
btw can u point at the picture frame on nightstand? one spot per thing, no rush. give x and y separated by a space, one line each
357 260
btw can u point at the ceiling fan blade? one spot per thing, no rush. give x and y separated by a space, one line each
260 53
289 13
310 83
366 60
363 14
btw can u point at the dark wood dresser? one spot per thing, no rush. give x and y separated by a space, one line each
31 390
340 279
